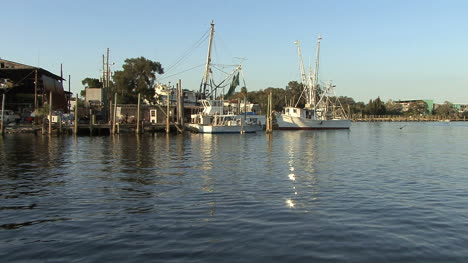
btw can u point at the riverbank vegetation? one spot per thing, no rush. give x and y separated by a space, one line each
139 75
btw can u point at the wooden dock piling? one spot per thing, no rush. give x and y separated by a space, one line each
114 115
138 115
168 102
91 122
50 112
269 117
2 126
180 107
75 130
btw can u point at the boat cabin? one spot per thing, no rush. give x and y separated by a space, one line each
298 112
212 107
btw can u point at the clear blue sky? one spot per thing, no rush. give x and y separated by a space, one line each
393 49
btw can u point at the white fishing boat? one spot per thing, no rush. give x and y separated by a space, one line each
215 117
322 109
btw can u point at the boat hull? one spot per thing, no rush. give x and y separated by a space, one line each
298 123
224 129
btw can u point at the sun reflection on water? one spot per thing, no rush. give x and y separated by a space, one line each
290 203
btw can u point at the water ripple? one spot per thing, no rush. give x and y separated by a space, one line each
375 193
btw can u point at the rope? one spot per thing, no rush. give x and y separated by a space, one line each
165 77
188 51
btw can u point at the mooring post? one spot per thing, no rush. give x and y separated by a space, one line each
110 115
114 117
269 119
2 128
138 115
60 126
35 97
90 122
76 117
180 106
167 113
50 112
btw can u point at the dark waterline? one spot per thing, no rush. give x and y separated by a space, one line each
376 193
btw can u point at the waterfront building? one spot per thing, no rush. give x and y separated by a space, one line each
28 88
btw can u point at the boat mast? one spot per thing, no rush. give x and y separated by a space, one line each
301 67
315 79
208 61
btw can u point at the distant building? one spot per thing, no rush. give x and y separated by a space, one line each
29 87
94 96
461 107
406 104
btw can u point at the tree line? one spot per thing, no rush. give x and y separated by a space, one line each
139 75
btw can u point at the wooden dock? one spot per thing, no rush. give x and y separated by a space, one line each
87 129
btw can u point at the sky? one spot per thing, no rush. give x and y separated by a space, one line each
392 49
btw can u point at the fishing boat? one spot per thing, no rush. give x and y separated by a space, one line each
322 109
215 117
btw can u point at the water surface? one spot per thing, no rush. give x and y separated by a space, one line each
381 192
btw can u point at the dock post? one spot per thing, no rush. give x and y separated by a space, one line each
35 97
50 112
114 115
76 117
110 115
269 119
91 120
2 126
138 115
167 113
180 106
60 126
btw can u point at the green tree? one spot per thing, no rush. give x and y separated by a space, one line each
138 76
244 91
295 92
91 83
393 108
375 107
446 110
417 108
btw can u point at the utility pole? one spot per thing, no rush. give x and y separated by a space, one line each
103 72
108 71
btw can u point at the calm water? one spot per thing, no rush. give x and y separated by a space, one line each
381 192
